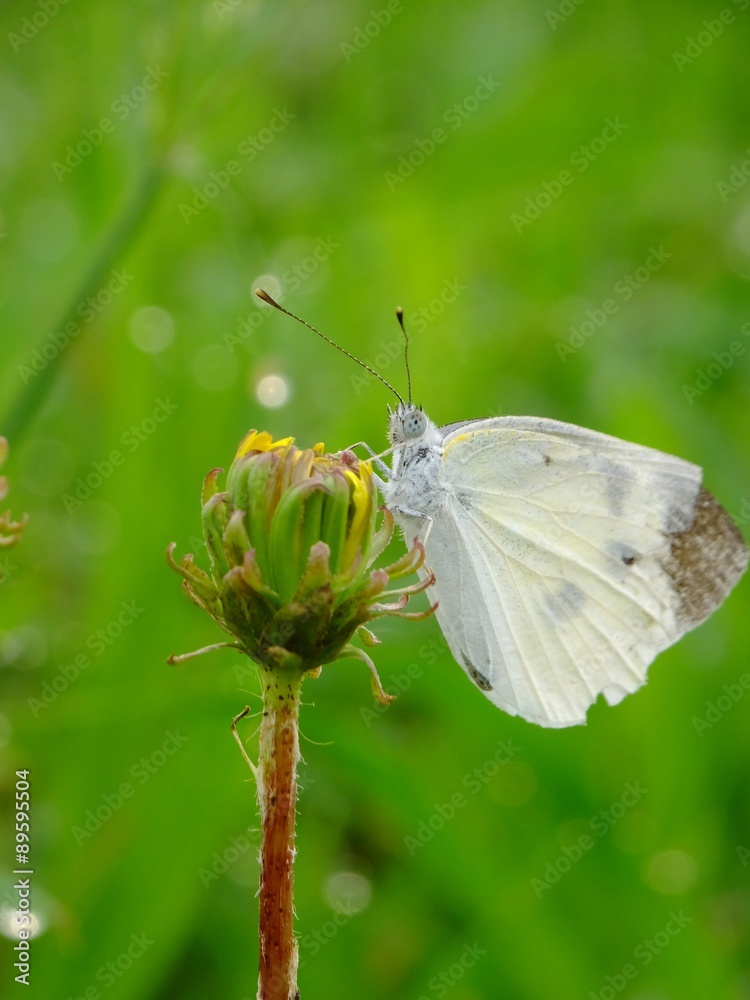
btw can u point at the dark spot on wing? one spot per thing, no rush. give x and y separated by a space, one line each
706 559
618 485
564 604
479 679
624 554
571 597
547 460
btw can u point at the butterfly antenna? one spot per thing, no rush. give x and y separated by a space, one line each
400 318
272 302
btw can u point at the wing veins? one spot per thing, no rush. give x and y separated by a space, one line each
630 669
520 591
588 475
611 584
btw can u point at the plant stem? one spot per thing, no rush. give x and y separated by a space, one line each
277 794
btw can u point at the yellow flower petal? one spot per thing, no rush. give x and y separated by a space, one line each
362 502
261 441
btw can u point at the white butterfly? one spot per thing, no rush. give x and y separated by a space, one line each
564 559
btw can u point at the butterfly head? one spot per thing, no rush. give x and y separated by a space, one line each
408 423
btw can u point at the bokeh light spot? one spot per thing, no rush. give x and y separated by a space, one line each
151 329
349 891
272 391
268 283
671 872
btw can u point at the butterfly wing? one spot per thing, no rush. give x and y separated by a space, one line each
566 560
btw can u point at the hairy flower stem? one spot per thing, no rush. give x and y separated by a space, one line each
277 794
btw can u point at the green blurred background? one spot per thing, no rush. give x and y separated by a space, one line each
201 149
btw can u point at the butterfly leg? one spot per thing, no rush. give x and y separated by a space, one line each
408 512
377 459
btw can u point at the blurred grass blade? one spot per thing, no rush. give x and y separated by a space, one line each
33 395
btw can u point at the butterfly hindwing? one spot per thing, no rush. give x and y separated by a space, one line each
567 559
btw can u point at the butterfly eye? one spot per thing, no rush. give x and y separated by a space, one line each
415 424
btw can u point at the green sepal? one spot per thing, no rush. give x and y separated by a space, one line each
246 610
209 485
252 575
236 542
214 517
285 539
247 483
368 638
311 525
335 521
237 481
210 602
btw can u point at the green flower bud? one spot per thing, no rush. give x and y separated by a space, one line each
10 531
291 542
